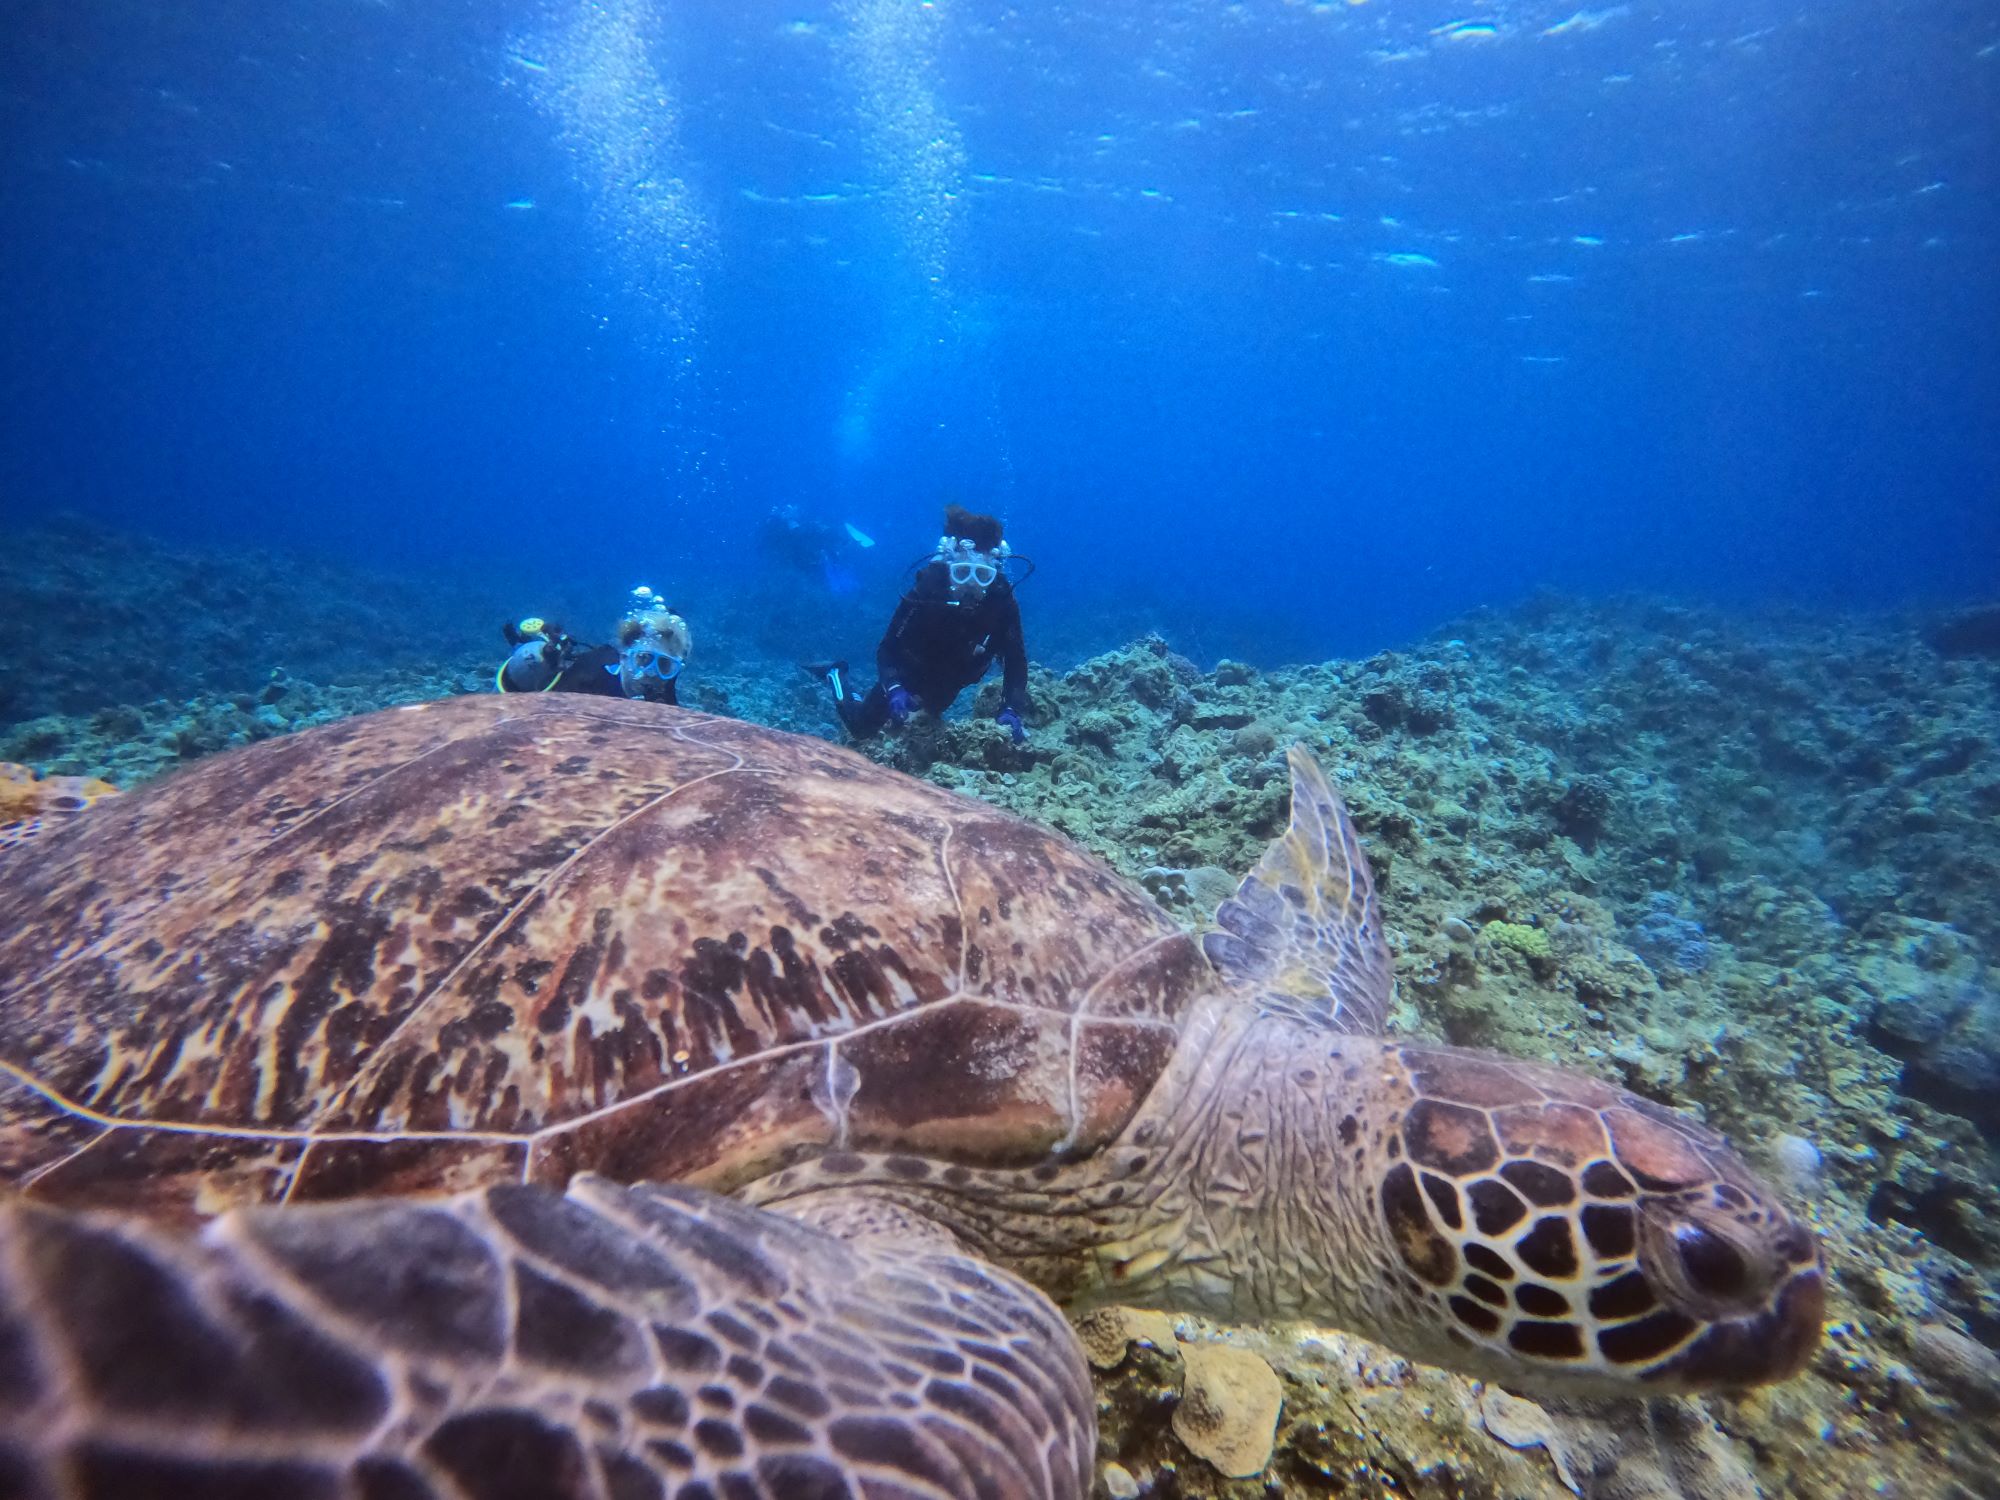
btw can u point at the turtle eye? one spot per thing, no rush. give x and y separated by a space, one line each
1712 1265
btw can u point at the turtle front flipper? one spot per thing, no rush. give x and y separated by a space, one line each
1303 933
612 1342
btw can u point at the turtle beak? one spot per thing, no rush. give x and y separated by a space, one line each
1747 1339
1771 1345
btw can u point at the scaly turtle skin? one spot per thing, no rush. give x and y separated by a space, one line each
537 1096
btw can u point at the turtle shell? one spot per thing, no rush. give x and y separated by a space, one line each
493 939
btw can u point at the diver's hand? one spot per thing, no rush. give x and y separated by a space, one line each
900 704
1009 720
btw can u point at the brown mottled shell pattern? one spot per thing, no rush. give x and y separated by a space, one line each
509 939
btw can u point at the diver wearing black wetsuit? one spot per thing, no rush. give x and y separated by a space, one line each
568 667
646 664
959 616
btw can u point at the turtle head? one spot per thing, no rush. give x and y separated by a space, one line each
1535 1226
1568 1235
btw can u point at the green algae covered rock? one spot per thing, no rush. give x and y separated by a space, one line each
1529 942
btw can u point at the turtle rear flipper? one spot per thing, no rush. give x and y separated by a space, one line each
1303 933
610 1342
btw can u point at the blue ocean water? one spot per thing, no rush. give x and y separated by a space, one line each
1289 329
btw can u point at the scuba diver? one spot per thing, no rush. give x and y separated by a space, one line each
653 644
817 548
957 616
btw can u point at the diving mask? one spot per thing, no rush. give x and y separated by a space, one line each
978 571
647 662
647 670
970 571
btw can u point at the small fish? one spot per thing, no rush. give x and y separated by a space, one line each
520 203
521 61
1585 239
859 537
1407 258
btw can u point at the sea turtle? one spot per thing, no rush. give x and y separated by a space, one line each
552 1097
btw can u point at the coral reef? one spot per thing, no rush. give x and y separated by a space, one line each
116 620
1747 867
1669 941
1968 632
1529 941
1329 1413
1228 1409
